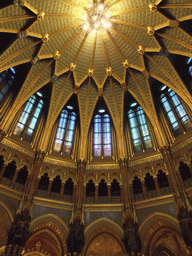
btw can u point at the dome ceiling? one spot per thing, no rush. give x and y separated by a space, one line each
122 56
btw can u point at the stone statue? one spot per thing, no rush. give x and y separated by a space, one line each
185 221
131 237
76 238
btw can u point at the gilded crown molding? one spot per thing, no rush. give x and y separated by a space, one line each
9 143
59 162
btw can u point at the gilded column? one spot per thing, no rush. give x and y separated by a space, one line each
131 237
76 237
19 233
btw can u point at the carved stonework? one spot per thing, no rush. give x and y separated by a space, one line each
185 221
19 233
131 237
76 237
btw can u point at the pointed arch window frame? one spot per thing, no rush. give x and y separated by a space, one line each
140 135
6 80
175 111
64 137
102 137
29 117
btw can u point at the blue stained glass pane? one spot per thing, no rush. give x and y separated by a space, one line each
23 118
133 122
62 122
28 107
135 133
97 150
167 106
97 127
29 131
185 119
67 147
175 100
71 125
97 119
106 127
60 133
147 141
57 145
18 129
172 117
33 123
97 138
137 144
1 79
190 70
131 114
181 111
163 98
107 150
144 130
106 138
142 119
175 126
73 118
69 136
37 112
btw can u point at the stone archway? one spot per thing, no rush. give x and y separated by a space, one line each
162 251
161 231
105 245
106 230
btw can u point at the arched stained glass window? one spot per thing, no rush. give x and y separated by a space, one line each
189 63
139 129
6 80
29 117
102 135
175 110
65 131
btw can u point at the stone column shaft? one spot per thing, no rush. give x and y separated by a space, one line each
96 194
62 189
109 193
2 171
157 186
49 188
144 189
14 177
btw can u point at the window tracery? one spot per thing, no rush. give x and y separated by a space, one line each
139 129
174 109
65 131
102 135
6 80
28 119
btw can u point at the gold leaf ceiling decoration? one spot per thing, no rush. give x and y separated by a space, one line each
121 57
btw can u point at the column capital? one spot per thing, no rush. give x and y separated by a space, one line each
123 162
39 154
2 134
81 163
165 150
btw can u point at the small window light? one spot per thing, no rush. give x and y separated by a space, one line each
13 70
133 104
70 107
39 94
189 60
163 88
101 110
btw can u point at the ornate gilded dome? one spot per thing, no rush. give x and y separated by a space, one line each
94 48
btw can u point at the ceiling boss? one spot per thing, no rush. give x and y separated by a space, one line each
96 18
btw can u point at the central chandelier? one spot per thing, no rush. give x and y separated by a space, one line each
97 18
